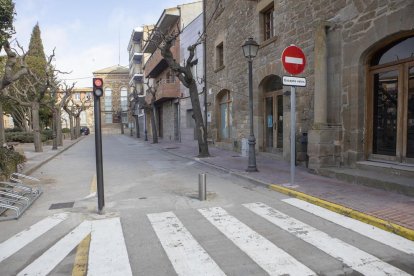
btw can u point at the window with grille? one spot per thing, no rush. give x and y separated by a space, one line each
267 17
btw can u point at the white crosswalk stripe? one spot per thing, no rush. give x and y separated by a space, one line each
184 252
54 255
18 241
364 229
108 247
350 255
108 253
271 258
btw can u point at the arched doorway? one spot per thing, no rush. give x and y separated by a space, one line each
272 88
390 99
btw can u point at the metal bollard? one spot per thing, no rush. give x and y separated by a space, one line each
202 186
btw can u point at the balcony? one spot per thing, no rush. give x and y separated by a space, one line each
137 78
166 90
156 64
136 58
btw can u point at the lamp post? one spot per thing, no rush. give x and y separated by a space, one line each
250 48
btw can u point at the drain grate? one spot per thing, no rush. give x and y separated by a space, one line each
61 205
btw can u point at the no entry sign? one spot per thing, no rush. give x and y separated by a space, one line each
293 60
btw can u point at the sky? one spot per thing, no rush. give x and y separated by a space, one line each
87 35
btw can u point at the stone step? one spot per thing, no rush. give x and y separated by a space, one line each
392 168
372 177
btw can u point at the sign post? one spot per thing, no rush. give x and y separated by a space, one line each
294 61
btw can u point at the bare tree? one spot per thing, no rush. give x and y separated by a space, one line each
164 42
31 93
10 75
74 109
151 90
65 94
133 106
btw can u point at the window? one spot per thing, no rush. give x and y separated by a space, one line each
124 99
224 117
88 96
108 105
267 21
219 56
77 96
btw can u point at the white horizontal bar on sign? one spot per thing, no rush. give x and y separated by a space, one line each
294 81
294 60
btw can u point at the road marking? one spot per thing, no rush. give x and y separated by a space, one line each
293 60
18 241
364 229
93 184
80 267
272 259
54 255
108 254
351 256
185 253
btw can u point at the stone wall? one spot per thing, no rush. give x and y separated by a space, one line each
354 28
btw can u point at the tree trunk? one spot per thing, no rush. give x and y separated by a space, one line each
72 130
198 118
59 126
36 128
77 129
137 126
122 126
154 125
2 135
54 128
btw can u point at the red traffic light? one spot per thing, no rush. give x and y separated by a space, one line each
97 82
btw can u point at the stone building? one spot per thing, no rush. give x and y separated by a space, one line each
358 104
115 101
162 78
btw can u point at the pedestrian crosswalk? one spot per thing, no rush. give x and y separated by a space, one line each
109 254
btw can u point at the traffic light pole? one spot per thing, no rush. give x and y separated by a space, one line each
98 149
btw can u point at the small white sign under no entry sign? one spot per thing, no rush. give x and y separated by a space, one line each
294 81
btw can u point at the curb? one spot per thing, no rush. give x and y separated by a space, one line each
31 170
374 221
377 222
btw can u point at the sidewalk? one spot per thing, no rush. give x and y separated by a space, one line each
385 209
34 160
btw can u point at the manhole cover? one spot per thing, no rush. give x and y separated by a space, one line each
61 205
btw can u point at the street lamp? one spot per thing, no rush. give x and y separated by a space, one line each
250 48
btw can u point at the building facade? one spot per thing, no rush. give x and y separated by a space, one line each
115 107
358 102
163 79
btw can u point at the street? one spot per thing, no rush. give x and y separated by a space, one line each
154 223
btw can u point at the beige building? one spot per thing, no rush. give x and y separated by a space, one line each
115 101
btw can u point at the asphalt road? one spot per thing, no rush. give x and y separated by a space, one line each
154 224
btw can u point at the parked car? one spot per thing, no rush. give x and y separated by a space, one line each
84 130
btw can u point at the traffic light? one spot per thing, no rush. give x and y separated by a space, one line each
97 87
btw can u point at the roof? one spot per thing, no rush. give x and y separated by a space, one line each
116 69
